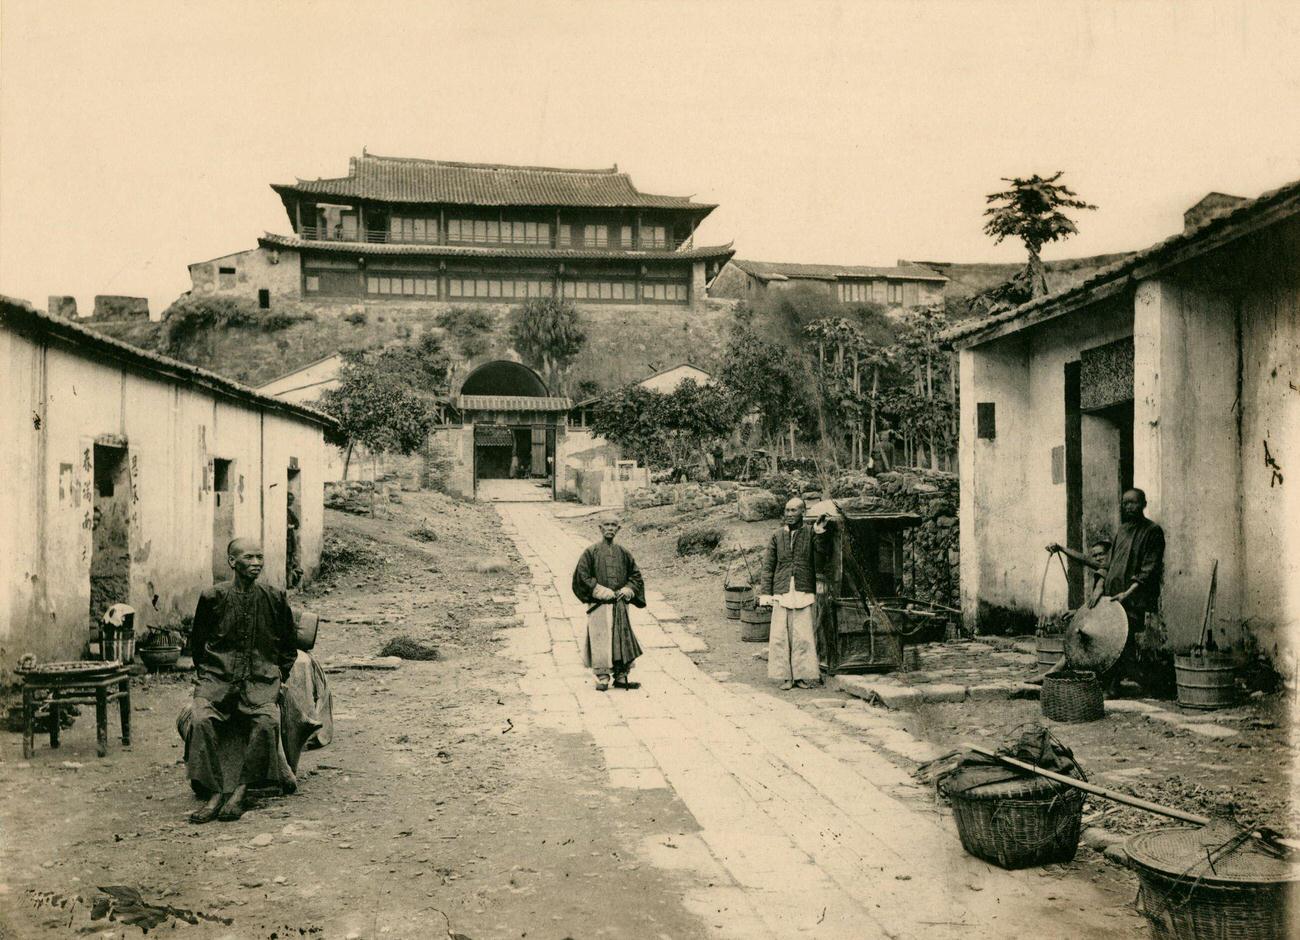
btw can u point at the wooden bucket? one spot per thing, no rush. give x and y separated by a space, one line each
735 597
755 624
1050 649
1207 681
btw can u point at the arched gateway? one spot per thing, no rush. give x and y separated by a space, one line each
508 433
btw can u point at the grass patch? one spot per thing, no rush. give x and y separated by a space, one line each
342 553
404 647
699 541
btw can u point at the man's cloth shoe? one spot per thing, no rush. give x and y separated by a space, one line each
602 683
623 682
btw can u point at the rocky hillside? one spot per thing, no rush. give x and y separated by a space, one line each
624 343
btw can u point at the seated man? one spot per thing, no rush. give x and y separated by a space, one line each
243 642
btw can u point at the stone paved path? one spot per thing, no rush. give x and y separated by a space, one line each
804 831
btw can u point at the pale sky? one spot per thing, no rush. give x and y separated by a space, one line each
136 137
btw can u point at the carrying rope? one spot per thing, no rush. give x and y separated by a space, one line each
1042 588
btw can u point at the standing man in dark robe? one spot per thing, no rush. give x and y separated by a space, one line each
1132 575
243 647
607 580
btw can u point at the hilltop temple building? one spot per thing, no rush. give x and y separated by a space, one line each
403 229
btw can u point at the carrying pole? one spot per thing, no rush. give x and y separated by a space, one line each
1269 838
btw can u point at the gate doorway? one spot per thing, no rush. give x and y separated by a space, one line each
110 553
514 463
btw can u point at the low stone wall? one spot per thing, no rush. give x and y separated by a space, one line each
932 559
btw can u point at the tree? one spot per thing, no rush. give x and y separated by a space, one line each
378 409
547 333
422 365
677 429
1031 211
768 381
471 327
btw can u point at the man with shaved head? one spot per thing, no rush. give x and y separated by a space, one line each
607 579
243 647
789 586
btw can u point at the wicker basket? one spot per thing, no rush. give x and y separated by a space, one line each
1072 697
1019 823
1244 895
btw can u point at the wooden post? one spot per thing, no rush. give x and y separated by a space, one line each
442 225
297 215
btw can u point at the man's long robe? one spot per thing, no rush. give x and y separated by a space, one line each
790 566
610 646
244 648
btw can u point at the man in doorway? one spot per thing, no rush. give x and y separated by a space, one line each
1131 576
607 579
790 566
243 643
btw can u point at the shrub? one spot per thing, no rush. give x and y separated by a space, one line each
272 322
699 541
356 318
190 317
471 327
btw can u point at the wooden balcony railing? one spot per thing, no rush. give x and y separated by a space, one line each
375 237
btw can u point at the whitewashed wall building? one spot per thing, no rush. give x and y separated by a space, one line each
126 474
1176 371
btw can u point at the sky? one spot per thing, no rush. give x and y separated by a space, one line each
138 136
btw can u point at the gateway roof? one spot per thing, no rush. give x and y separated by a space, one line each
411 179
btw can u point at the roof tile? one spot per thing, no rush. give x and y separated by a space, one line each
409 179
777 270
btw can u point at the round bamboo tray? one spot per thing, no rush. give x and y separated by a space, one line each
1212 882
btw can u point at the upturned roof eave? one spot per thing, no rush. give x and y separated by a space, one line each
705 253
657 202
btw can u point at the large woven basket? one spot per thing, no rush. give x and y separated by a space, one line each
1190 888
1019 823
1072 697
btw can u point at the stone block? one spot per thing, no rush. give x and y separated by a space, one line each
757 505
1206 730
1115 853
1132 705
991 691
1099 839
110 306
943 692
61 305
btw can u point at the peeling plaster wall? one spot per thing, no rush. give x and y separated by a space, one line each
1185 449
1270 502
1010 508
55 404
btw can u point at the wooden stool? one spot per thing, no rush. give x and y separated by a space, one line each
88 683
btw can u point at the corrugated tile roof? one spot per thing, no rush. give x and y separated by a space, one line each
779 270
1221 224
271 240
410 179
22 316
512 403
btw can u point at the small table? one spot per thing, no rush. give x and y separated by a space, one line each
76 683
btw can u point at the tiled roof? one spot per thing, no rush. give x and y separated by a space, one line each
408 179
777 270
270 240
1225 225
512 403
21 316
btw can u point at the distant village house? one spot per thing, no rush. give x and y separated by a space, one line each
902 286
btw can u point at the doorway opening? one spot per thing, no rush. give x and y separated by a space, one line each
110 554
293 526
223 517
